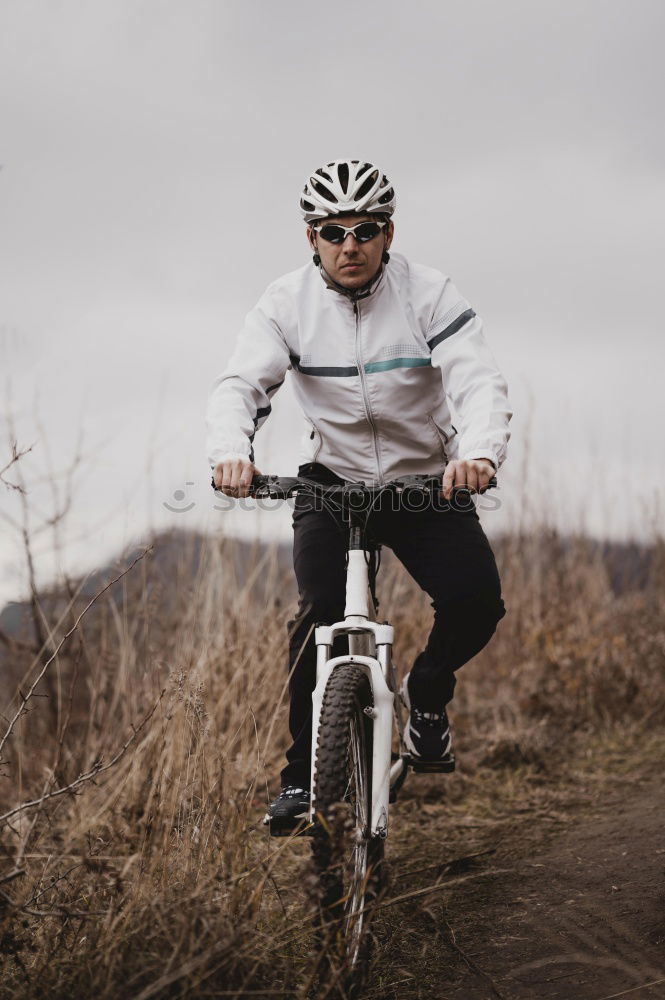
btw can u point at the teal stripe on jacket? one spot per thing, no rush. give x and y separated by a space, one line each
372 366
385 366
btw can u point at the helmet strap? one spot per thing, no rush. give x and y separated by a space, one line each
316 260
385 256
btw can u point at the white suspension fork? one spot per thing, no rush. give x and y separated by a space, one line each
360 629
382 717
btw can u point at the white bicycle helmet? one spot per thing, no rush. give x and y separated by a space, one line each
345 186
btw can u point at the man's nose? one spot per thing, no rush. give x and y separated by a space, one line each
352 245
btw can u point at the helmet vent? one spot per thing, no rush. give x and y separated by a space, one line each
367 184
343 174
324 191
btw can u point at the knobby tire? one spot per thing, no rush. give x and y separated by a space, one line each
349 863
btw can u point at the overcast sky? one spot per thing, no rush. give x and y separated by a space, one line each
152 158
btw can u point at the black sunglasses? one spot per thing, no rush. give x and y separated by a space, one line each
363 232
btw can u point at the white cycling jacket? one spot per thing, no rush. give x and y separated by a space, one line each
375 377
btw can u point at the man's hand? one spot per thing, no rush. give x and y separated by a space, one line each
474 474
234 476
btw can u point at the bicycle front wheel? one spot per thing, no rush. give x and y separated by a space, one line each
348 860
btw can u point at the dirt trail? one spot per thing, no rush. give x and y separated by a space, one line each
578 914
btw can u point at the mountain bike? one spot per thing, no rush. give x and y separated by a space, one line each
356 719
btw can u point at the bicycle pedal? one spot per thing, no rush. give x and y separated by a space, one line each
444 766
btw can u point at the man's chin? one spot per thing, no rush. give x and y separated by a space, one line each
352 278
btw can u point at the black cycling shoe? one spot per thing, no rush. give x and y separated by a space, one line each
427 736
289 812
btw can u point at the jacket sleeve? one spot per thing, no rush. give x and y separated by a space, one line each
471 378
239 400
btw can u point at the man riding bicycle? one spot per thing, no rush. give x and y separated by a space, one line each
377 345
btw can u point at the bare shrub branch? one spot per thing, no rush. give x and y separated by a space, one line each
97 768
17 455
31 690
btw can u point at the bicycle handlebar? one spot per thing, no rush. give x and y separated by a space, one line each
283 487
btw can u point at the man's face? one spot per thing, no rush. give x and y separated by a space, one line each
351 264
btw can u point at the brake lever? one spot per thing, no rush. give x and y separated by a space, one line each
277 487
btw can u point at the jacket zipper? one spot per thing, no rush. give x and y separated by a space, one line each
363 385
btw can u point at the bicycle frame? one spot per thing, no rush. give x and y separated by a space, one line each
361 629
370 647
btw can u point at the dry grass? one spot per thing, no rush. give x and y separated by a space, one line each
154 878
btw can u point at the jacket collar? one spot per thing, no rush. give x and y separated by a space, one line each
354 293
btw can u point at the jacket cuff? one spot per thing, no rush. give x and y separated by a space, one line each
481 453
227 456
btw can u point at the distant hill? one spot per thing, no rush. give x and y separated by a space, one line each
164 577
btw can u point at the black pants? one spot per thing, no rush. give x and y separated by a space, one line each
447 553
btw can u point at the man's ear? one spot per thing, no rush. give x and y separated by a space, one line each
311 236
390 232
